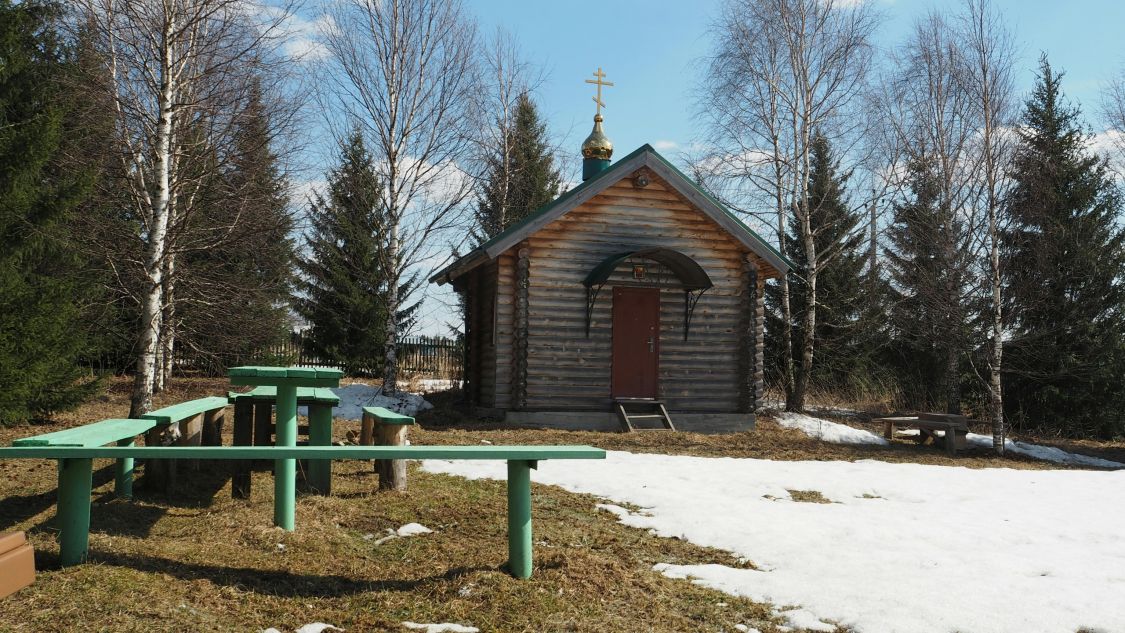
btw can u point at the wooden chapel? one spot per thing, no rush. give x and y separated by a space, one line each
633 300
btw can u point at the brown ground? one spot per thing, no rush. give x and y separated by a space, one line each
198 560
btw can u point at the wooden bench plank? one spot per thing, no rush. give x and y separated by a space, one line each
305 395
484 452
96 434
185 410
386 416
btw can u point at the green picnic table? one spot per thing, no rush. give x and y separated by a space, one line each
286 380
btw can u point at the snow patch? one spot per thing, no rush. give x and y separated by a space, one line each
357 395
1044 544
445 627
317 627
1046 453
827 431
412 529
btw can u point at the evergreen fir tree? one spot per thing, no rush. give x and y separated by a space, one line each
1064 270
40 342
246 281
928 271
343 281
840 360
520 182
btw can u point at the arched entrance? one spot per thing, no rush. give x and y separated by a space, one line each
636 314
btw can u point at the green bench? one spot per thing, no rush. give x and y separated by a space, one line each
120 432
75 489
254 426
386 428
196 422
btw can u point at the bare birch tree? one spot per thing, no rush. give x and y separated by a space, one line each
988 59
786 70
178 72
403 72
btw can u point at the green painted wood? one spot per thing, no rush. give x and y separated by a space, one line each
320 434
75 482
519 518
285 469
185 410
96 434
493 452
305 395
285 372
123 479
386 416
255 381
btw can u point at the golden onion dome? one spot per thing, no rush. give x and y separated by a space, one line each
597 145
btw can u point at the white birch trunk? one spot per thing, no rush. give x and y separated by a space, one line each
152 300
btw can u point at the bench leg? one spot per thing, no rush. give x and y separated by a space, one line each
285 470
123 482
75 485
263 436
320 434
392 472
889 430
243 436
951 442
519 518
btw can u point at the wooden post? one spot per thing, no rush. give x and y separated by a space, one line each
519 518
746 336
160 474
285 470
243 436
213 427
519 352
759 340
191 434
123 481
392 472
75 484
263 434
320 434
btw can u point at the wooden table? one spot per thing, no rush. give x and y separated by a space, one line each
286 380
254 426
955 427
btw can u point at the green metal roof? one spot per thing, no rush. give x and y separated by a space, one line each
644 155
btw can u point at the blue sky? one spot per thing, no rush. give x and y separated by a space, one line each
651 51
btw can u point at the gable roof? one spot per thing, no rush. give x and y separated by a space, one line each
643 156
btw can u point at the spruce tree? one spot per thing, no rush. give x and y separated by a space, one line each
235 296
928 272
344 282
521 179
40 340
1064 270
840 361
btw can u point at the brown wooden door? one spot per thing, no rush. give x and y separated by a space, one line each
636 342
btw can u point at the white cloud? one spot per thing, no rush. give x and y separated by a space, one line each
665 146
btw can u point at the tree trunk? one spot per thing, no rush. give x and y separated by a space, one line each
168 323
152 300
390 361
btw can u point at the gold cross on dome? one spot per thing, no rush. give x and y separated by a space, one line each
598 99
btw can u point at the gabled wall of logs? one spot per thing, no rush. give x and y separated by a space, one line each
536 354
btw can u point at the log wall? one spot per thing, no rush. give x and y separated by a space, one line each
566 370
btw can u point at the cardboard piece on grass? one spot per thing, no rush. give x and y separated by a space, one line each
17 563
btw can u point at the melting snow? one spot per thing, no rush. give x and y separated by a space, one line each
902 547
357 395
412 529
825 430
441 628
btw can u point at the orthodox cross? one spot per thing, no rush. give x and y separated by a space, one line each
598 99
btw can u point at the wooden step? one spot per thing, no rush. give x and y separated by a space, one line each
626 418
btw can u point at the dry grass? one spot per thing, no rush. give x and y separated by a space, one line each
198 560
